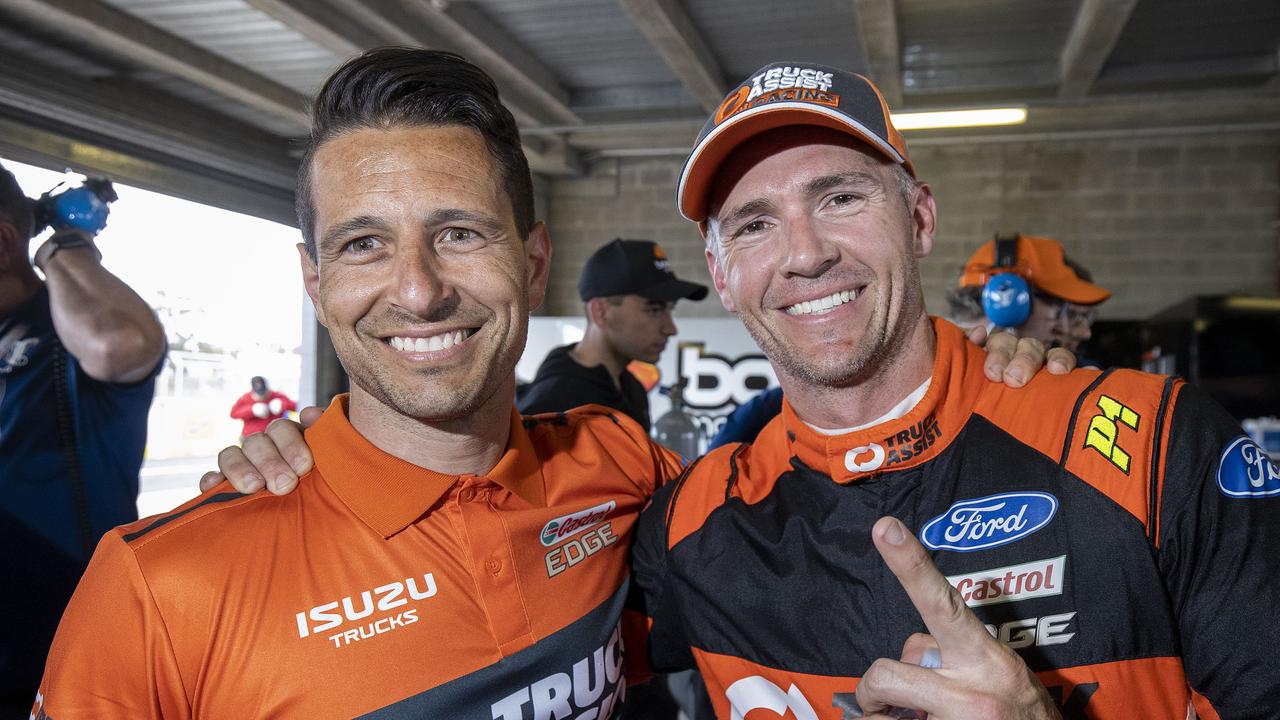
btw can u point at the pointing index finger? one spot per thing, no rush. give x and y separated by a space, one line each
956 629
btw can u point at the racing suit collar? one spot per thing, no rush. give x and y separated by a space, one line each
389 493
903 442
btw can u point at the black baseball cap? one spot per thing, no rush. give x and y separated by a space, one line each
634 267
782 94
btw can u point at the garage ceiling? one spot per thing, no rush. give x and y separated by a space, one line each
207 98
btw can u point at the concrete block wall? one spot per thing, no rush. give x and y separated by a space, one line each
1156 219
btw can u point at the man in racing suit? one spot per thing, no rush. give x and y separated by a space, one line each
1115 529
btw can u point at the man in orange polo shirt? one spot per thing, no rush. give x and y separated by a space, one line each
446 557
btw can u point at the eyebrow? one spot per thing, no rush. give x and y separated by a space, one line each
365 222
746 210
817 186
336 233
452 215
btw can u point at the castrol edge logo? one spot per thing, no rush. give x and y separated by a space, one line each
1038 578
566 526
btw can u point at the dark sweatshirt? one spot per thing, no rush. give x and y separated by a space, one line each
562 384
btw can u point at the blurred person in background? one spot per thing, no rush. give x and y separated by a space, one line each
1061 302
258 407
630 292
79 355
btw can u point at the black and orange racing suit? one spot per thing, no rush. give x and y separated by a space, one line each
1115 528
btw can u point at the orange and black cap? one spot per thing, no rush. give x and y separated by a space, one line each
1040 260
634 267
778 95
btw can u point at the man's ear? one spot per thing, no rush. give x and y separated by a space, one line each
537 262
597 310
311 281
924 216
717 280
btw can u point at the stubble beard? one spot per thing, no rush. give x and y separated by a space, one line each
431 395
871 356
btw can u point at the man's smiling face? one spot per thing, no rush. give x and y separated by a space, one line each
815 245
421 276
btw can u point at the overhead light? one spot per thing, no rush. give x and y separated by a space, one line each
959 118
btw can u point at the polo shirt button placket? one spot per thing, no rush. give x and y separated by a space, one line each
494 565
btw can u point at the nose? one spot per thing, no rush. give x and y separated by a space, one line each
668 324
808 253
418 283
1082 330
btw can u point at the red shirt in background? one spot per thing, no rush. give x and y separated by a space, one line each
243 410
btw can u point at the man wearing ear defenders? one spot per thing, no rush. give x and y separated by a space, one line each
1027 284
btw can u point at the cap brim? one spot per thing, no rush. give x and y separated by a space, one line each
672 290
694 191
1074 290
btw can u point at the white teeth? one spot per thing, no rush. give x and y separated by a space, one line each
821 305
443 341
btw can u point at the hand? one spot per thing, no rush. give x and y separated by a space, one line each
979 677
275 406
264 455
1013 360
260 410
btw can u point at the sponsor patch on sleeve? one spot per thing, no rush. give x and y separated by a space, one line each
1246 471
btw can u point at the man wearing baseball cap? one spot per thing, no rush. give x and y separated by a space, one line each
1060 304
1115 532
629 291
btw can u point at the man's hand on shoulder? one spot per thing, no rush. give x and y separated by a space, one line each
1013 360
280 454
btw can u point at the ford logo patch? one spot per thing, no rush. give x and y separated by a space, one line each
990 521
1245 471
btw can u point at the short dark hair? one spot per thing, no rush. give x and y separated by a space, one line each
407 87
15 207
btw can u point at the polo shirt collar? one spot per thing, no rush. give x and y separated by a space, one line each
388 493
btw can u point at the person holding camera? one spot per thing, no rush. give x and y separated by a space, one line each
258 407
79 354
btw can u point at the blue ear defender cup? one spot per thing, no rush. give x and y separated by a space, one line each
80 209
1006 297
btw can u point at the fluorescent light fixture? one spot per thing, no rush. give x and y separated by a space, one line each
959 118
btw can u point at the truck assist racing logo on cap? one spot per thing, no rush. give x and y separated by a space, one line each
988 522
780 84
1245 471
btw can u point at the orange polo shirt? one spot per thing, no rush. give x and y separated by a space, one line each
378 588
